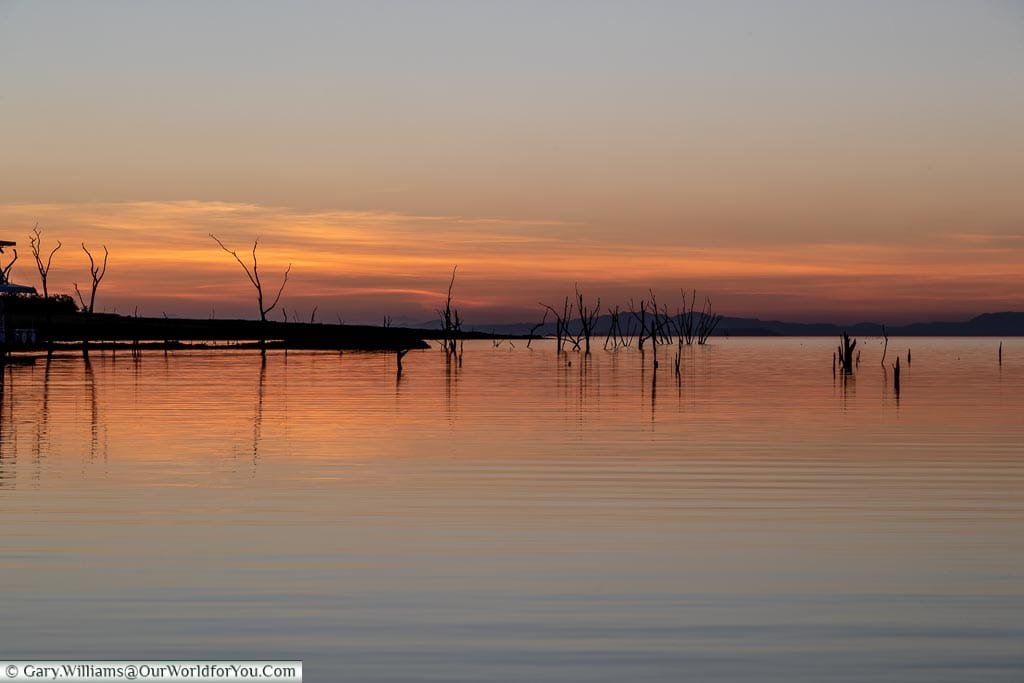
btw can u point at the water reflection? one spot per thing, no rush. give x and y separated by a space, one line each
94 410
257 422
526 516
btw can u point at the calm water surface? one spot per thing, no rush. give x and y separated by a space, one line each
520 518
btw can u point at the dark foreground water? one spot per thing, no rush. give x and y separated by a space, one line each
521 519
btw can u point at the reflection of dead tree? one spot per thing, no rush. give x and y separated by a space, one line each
42 429
257 420
588 316
94 411
451 323
254 277
36 242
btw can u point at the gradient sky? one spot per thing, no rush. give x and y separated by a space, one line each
807 160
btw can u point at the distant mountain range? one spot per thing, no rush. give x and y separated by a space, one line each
1006 324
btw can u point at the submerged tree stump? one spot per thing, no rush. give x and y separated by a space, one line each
846 349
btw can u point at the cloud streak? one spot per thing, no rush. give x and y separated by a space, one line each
362 264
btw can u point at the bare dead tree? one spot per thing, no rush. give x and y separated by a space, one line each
254 277
96 272
707 322
451 323
5 270
573 336
662 327
615 337
686 317
533 331
562 333
588 316
35 241
253 273
641 319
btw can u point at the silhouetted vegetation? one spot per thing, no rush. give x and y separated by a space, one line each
5 268
451 323
97 273
576 323
35 241
587 316
253 273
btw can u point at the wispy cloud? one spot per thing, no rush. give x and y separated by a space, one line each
364 262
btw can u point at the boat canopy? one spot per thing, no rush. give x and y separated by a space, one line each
9 288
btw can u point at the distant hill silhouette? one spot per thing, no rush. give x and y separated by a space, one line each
1005 324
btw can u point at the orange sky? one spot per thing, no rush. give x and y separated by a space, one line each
360 266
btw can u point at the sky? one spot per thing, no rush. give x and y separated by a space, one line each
810 160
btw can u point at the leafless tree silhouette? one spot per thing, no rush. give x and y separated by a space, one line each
451 323
35 241
96 272
5 270
253 273
588 316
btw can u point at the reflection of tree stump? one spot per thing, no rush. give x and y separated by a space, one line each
399 355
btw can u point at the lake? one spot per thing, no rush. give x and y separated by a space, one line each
523 517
